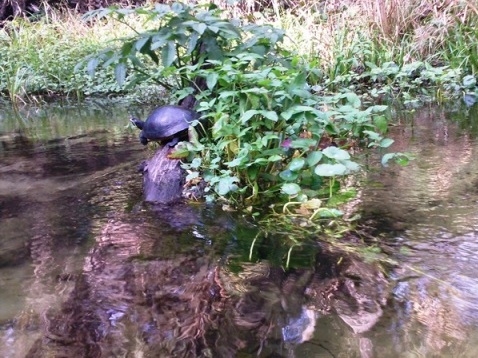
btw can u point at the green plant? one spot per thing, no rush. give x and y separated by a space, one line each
269 134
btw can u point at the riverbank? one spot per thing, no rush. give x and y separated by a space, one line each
392 49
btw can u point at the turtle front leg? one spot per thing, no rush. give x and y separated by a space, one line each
143 139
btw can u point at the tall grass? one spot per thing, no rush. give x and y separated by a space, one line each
338 36
39 57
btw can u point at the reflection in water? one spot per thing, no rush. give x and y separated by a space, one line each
88 270
432 204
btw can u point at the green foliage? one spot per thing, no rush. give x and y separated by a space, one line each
268 132
180 36
268 135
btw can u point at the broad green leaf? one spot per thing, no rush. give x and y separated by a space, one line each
196 163
91 67
193 40
296 164
469 81
381 123
120 73
168 54
303 143
199 27
191 176
211 80
373 135
288 175
179 151
386 142
353 99
141 42
275 158
386 158
227 185
330 213
271 115
351 166
313 158
330 170
248 115
336 153
290 189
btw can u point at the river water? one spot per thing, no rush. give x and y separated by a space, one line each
89 270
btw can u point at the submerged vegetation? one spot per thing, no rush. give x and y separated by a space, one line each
289 91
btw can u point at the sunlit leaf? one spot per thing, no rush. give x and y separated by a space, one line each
199 27
336 153
275 158
296 164
271 115
248 115
386 142
196 163
226 185
330 170
290 189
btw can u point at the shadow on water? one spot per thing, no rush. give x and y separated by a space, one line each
89 270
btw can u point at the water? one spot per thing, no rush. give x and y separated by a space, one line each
89 270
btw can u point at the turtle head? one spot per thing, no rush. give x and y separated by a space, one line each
137 122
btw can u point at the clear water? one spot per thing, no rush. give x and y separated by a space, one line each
89 270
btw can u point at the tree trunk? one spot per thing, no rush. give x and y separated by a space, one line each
163 178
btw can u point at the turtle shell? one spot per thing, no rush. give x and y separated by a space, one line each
166 122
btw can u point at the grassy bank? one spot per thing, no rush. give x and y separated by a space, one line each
390 47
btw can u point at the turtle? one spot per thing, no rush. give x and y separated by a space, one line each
165 123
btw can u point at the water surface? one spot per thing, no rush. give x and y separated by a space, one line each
89 270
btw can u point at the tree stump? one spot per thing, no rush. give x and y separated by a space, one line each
163 178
